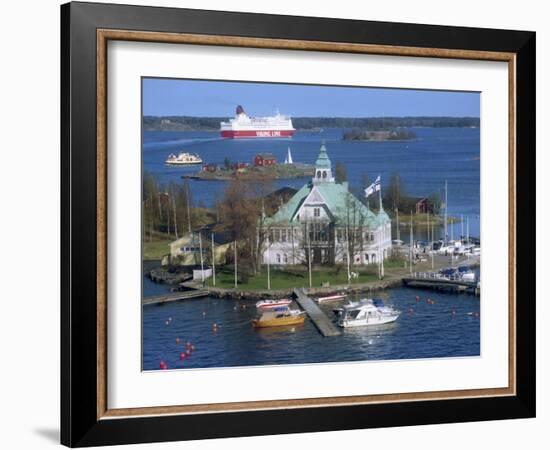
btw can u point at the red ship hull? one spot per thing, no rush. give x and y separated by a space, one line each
244 134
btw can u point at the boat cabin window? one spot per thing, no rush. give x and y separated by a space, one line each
353 314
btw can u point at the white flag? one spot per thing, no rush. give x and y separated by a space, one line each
374 187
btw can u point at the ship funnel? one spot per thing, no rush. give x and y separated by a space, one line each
239 110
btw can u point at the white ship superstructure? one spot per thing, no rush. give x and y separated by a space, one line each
243 126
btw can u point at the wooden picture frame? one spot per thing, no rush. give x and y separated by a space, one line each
86 418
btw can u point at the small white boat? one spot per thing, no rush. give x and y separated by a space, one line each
331 298
366 312
469 276
183 159
271 304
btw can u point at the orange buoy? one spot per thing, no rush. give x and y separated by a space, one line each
177 340
192 348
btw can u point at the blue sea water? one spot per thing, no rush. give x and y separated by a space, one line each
436 156
424 330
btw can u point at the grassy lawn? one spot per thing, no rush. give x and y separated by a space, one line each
156 248
289 279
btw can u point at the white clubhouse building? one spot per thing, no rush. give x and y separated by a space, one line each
324 218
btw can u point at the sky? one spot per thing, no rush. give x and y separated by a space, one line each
175 97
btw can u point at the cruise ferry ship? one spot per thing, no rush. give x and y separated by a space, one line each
242 126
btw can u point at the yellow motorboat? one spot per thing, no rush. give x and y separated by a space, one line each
279 318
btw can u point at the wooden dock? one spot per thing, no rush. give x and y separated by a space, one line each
317 316
430 280
174 297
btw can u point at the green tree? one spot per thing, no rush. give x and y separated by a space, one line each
395 192
341 173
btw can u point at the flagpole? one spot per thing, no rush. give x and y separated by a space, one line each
213 262
235 248
347 250
411 245
309 253
379 194
380 229
397 225
268 273
202 261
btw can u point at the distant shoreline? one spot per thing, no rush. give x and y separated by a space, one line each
314 124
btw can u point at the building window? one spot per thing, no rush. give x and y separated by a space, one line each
278 258
286 259
367 258
318 174
317 212
324 173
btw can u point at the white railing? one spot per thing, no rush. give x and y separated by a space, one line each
436 276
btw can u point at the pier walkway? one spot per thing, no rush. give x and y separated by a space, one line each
174 297
317 316
436 281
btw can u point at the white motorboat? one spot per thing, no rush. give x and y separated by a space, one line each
271 304
366 313
331 298
183 158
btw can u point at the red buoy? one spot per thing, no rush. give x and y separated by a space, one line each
182 356
163 365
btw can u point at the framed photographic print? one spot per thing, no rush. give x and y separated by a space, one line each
277 224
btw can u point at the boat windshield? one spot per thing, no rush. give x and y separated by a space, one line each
352 314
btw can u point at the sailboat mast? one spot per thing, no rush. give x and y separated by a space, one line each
446 209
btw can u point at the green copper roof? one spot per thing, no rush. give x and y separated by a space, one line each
323 160
344 207
285 213
342 204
